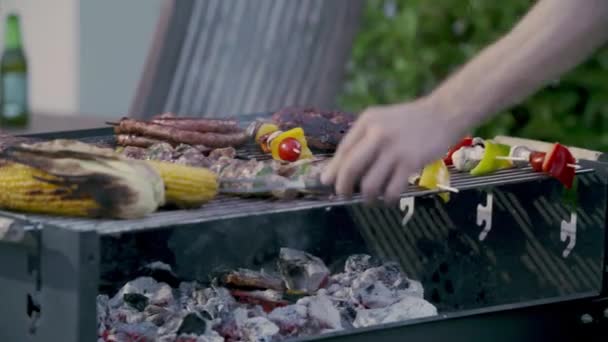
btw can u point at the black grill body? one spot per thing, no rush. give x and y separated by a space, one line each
514 284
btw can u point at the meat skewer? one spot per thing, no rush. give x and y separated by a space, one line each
523 159
179 136
200 124
135 140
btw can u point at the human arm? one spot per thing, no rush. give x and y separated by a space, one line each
389 143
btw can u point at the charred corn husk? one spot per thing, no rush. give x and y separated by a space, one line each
186 186
24 188
64 177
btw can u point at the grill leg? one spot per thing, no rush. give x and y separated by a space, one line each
16 283
68 289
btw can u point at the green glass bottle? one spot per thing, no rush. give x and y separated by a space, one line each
14 108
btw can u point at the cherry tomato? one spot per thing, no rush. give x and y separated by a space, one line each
536 160
290 149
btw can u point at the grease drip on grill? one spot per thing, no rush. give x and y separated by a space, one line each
302 299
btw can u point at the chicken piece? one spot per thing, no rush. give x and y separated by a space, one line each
467 158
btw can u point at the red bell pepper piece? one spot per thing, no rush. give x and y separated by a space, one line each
467 141
557 163
536 160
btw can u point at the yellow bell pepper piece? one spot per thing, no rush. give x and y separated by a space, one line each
264 129
434 174
296 133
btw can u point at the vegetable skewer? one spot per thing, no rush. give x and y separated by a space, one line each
522 159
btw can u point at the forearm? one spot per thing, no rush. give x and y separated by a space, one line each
552 38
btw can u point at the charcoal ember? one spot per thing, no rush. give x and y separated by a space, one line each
341 280
158 293
322 313
290 319
302 271
348 313
192 324
259 329
192 297
171 324
268 300
137 332
163 297
230 324
126 315
102 309
161 272
244 278
212 336
359 263
219 302
392 278
406 308
158 314
373 294
136 301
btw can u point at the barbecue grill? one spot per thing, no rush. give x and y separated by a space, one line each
511 257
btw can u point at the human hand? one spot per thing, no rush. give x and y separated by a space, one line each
388 144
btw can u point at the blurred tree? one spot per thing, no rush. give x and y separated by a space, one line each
405 47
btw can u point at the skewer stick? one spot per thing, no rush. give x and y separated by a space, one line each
521 159
447 188
111 123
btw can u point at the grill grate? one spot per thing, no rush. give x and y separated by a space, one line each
231 207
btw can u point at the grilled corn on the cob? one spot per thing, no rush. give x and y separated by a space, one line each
64 177
24 188
186 186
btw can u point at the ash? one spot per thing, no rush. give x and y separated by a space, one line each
302 299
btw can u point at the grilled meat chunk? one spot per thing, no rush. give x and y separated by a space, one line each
323 129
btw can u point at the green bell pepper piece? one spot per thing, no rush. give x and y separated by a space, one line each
489 163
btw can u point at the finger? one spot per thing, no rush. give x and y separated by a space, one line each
354 164
376 178
398 183
355 135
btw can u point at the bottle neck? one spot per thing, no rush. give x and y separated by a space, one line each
12 38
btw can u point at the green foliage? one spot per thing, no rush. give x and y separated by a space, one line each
406 47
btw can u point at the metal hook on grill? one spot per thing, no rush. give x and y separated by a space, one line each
484 216
406 205
568 231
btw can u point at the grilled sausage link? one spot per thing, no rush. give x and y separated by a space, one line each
200 124
175 135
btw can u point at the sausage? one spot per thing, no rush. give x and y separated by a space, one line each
179 136
135 140
200 124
